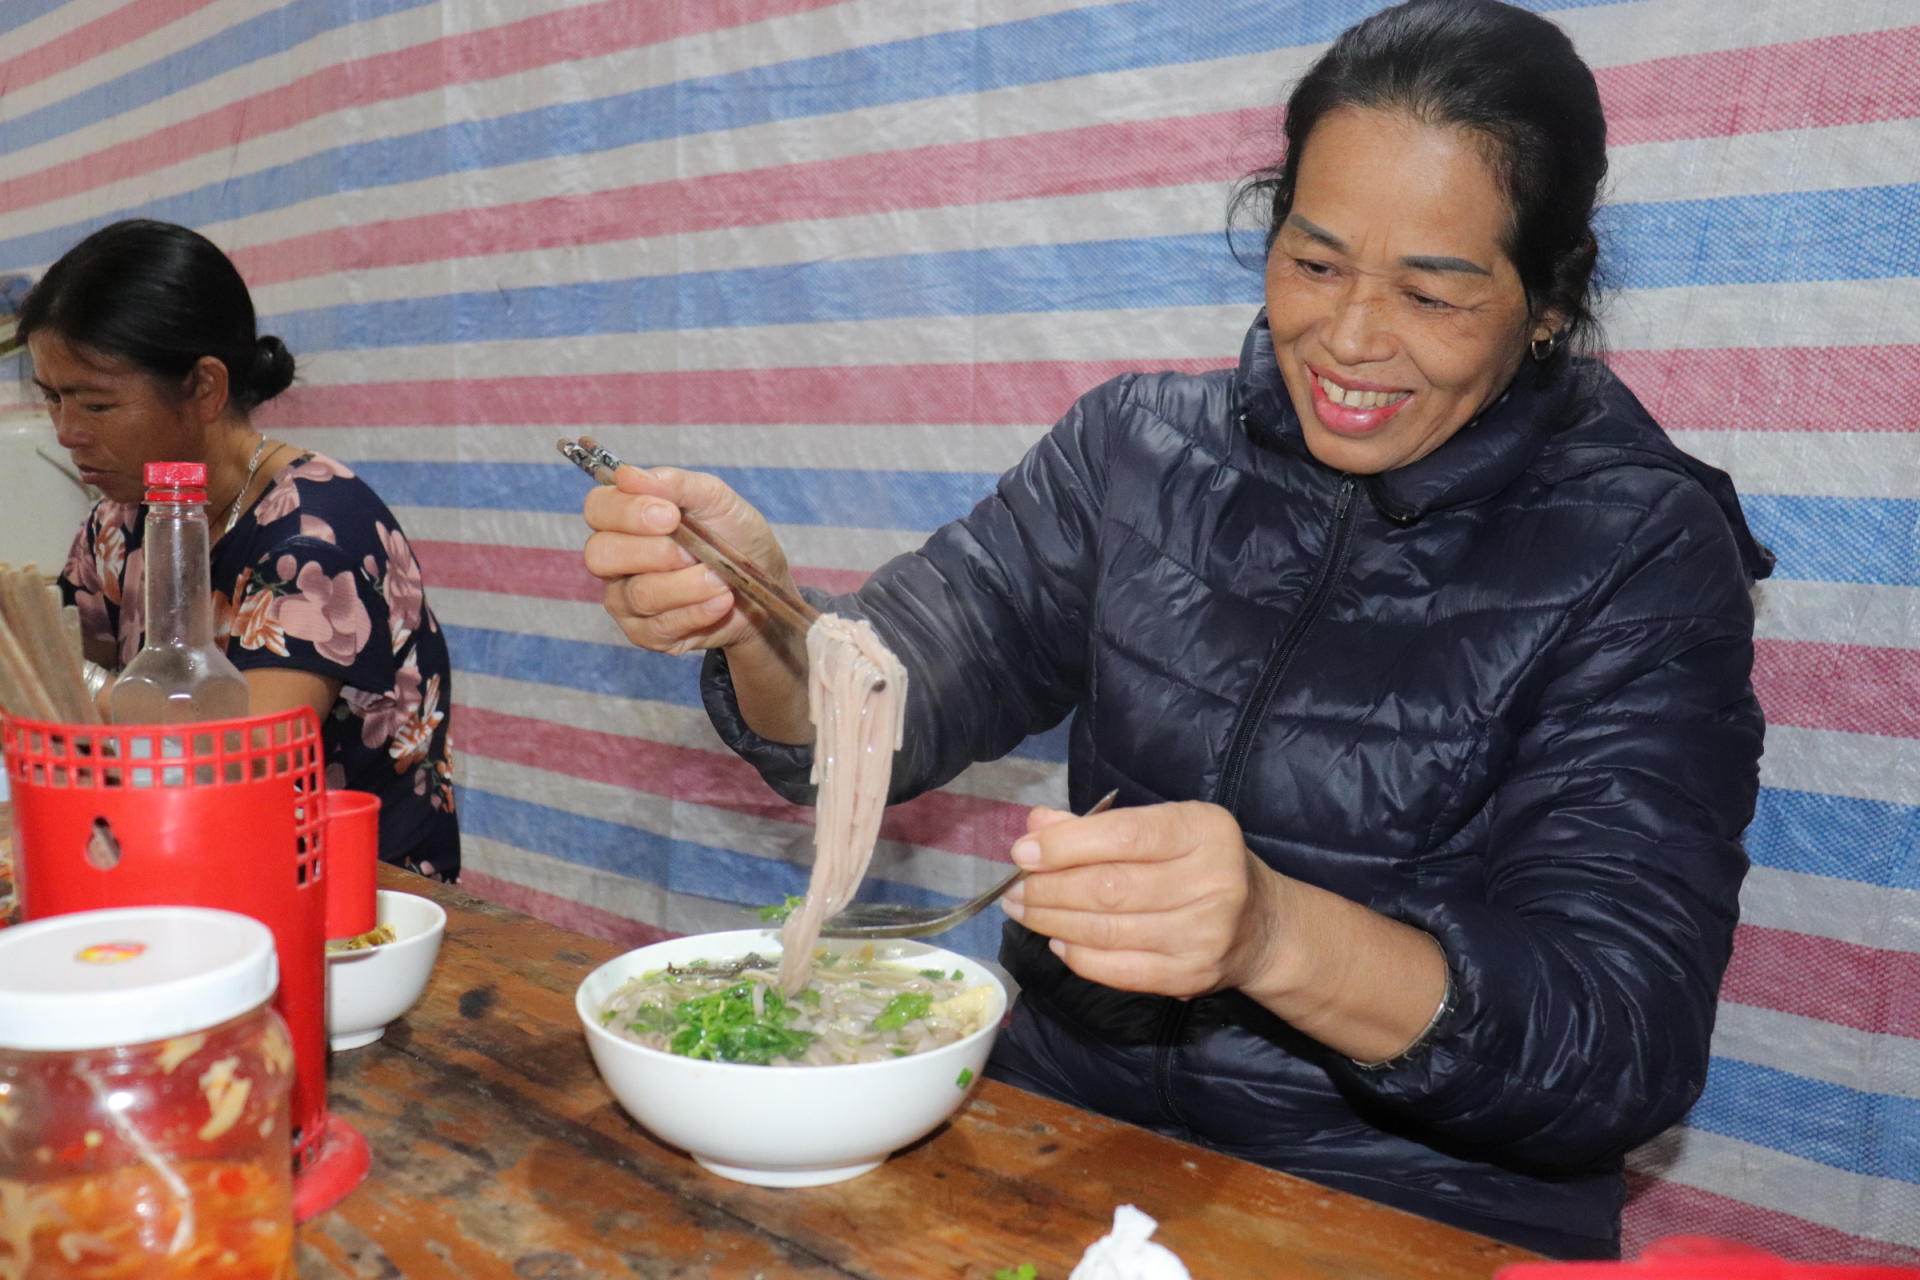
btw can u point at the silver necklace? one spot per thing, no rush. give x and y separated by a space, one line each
233 512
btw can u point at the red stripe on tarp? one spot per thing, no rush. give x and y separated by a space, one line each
1107 157
1853 688
963 824
517 571
1805 84
556 575
564 912
1777 388
908 394
1709 389
587 31
1833 981
1657 1208
837 582
91 39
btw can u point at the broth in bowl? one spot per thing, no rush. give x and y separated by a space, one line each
852 1009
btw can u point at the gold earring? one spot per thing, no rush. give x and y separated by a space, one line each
1543 348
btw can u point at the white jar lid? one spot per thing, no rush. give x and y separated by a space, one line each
95 979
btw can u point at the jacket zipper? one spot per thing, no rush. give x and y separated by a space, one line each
1227 793
1173 1021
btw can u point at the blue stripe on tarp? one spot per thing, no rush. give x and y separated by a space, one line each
275 31
685 866
1078 42
1858 233
1875 1134
914 500
1874 540
1168 271
624 671
1745 240
621 670
15 14
1050 746
1870 841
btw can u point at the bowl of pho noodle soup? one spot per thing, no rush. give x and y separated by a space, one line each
744 1100
778 1060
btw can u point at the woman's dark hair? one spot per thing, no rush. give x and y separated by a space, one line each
1507 75
160 297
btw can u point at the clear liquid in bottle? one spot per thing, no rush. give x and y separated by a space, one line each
181 675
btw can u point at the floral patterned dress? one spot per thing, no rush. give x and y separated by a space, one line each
316 576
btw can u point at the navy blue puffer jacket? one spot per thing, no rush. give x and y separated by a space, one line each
1501 694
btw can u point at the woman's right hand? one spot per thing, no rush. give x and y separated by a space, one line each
663 598
667 601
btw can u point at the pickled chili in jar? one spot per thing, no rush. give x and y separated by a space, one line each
144 1079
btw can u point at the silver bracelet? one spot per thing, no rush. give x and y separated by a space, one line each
1426 1033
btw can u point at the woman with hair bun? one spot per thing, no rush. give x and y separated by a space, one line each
144 345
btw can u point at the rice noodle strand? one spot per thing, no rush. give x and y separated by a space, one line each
857 699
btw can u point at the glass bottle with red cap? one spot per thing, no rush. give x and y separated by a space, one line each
181 674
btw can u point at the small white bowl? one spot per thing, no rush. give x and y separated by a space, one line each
784 1126
368 988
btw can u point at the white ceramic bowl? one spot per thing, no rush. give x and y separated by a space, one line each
369 988
784 1126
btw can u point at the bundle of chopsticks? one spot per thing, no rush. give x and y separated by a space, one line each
41 671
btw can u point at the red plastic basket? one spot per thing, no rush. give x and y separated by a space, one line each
223 813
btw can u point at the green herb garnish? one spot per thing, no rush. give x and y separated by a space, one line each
721 1027
1025 1271
777 913
959 976
965 1078
902 1009
935 975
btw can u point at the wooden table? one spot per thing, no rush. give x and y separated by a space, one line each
497 1151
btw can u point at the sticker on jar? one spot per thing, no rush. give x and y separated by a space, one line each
110 952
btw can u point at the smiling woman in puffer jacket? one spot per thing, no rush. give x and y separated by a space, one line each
1418 654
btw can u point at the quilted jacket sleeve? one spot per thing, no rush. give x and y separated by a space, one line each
1586 973
990 617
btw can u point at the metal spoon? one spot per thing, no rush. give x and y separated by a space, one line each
885 920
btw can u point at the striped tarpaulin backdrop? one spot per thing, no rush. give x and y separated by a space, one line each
855 257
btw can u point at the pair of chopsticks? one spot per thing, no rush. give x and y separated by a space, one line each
41 676
706 546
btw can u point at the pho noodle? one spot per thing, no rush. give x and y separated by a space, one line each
857 698
852 1009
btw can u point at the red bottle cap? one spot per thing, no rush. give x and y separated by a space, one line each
176 481
176 475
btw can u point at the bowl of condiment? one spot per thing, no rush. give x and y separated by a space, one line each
375 977
699 1044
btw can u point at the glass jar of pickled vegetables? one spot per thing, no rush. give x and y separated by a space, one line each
143 1098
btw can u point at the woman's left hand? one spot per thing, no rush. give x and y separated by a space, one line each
1167 899
1163 898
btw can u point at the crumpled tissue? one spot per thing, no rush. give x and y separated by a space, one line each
1125 1253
